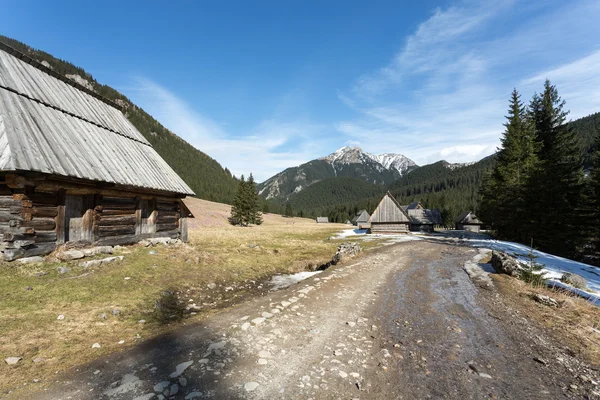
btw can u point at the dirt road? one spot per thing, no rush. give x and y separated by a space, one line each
403 322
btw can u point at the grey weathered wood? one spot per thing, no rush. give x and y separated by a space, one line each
42 224
183 229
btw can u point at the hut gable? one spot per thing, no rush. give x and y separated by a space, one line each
361 217
468 218
414 206
56 128
389 211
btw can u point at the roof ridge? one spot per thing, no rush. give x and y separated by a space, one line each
34 63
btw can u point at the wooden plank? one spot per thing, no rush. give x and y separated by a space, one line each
41 224
183 229
6 216
167 227
170 219
102 219
118 240
44 211
104 212
104 231
9 201
47 236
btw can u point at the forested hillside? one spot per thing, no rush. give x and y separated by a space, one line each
452 190
586 130
537 191
331 192
202 173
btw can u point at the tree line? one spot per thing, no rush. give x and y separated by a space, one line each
537 188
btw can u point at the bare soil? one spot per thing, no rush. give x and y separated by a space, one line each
403 322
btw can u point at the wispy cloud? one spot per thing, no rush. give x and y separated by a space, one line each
445 93
263 150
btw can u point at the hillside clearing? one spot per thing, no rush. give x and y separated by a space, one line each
221 265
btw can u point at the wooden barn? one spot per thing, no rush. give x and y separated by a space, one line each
424 220
74 169
322 220
389 217
361 220
468 221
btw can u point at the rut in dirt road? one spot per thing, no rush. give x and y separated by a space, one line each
403 322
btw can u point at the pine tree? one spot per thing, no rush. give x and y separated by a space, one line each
556 186
238 207
254 214
503 192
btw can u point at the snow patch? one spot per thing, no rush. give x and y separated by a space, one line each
282 281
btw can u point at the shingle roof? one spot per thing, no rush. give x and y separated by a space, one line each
468 217
52 127
361 216
424 216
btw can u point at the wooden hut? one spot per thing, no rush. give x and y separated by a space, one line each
389 217
424 220
74 169
468 221
322 220
361 220
414 206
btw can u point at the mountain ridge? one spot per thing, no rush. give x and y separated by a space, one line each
348 161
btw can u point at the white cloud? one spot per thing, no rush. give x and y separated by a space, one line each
259 151
444 95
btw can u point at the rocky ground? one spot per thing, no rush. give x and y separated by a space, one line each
404 321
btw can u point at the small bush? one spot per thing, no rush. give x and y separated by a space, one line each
168 307
531 272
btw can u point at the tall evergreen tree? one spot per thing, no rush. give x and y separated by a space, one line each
503 191
254 214
246 206
239 205
556 186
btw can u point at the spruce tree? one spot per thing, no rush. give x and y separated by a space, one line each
238 207
254 214
503 192
555 189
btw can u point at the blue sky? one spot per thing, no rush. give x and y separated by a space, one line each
264 85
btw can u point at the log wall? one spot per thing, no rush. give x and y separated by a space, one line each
34 222
389 228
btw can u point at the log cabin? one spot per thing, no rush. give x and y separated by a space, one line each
74 169
389 217
361 220
468 221
424 220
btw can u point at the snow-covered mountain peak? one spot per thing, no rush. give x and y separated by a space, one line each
397 163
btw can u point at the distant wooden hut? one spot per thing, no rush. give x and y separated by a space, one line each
424 220
414 206
74 169
389 217
322 220
361 220
468 221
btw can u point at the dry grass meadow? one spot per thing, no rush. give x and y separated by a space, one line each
219 255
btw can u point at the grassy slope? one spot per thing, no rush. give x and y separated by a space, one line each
202 173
